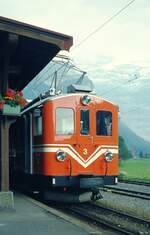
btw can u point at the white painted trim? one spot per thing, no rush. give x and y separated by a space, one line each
53 148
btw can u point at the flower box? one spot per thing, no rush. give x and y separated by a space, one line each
11 111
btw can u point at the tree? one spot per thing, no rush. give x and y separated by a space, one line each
141 154
124 153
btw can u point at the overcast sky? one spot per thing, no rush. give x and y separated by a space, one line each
116 58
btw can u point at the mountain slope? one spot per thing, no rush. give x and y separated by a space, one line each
133 141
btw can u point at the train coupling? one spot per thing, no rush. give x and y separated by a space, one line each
96 195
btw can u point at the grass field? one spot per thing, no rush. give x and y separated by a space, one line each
135 170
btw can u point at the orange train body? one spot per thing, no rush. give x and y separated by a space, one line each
70 140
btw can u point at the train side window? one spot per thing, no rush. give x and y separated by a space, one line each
104 123
64 121
37 122
84 122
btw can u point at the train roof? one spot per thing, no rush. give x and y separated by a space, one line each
39 101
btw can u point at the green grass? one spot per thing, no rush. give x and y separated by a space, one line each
135 170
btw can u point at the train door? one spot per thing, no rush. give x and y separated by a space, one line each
85 139
84 127
37 135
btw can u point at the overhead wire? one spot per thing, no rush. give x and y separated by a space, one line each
66 70
46 70
63 65
42 78
103 25
38 77
85 39
130 80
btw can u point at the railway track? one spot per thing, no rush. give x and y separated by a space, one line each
120 223
127 192
101 218
135 182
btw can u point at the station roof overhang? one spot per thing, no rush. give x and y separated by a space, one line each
30 49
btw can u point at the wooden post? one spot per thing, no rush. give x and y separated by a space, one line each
4 154
4 66
6 197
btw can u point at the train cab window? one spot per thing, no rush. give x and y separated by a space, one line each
37 122
104 123
84 122
64 121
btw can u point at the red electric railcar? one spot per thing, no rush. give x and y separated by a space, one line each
70 146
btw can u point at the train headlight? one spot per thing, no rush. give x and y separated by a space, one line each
85 100
109 156
61 155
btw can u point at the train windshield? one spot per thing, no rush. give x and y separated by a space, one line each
84 122
104 123
64 121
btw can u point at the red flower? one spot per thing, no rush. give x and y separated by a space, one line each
10 93
13 98
19 93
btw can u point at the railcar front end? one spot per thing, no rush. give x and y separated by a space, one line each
71 146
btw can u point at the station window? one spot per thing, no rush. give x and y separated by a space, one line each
84 122
64 121
37 122
104 123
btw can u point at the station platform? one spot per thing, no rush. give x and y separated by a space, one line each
29 218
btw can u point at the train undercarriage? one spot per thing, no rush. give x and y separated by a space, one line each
73 189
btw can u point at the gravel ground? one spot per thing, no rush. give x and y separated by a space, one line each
134 206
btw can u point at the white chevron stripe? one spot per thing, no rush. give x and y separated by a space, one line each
74 154
69 146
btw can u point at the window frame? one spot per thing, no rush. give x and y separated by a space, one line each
38 116
89 130
60 134
100 135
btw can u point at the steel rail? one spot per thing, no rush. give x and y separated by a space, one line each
136 182
124 214
88 214
127 192
83 215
